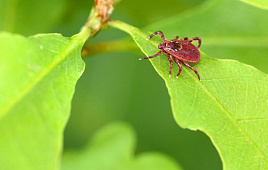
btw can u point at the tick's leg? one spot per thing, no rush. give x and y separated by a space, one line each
185 38
152 56
171 64
176 38
187 65
198 39
179 64
158 32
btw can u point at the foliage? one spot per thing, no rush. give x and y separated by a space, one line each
39 79
39 75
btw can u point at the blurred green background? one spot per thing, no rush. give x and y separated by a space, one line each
117 86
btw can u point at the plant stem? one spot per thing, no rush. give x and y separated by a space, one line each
98 16
107 47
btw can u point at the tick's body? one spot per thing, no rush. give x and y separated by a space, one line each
180 50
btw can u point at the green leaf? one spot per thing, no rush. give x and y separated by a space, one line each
229 104
112 148
29 17
38 77
258 3
228 29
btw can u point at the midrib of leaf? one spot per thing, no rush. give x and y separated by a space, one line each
131 30
228 114
76 41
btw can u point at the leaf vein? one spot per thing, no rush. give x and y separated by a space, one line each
38 78
232 119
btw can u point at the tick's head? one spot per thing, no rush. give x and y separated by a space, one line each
173 45
162 46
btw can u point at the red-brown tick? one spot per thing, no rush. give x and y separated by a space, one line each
180 50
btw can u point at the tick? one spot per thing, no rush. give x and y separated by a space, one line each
182 51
